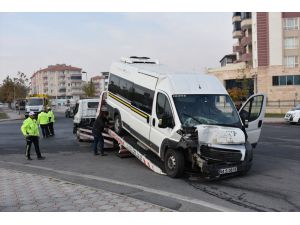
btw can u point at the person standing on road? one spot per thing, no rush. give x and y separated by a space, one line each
51 120
43 121
30 131
98 127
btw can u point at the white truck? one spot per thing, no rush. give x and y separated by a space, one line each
35 104
293 115
85 113
187 120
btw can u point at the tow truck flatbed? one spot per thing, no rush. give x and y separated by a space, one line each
127 145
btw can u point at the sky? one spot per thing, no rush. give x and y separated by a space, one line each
187 42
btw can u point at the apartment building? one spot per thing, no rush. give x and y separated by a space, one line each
100 82
58 81
266 53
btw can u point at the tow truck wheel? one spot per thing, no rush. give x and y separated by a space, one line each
118 124
174 163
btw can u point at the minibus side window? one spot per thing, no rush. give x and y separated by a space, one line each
142 98
114 84
163 108
126 89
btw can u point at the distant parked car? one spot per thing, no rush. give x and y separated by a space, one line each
293 116
69 113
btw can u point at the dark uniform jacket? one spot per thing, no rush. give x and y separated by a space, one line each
99 125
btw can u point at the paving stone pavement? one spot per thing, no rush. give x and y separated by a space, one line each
25 192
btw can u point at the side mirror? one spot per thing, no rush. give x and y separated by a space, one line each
160 123
246 123
165 121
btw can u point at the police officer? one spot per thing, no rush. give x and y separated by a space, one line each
43 121
51 121
30 131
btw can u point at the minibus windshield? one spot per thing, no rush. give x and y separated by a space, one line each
35 101
206 109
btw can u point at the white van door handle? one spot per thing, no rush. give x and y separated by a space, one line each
153 122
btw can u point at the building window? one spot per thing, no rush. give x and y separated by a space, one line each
291 43
275 81
236 26
282 80
246 15
289 80
291 24
286 80
291 61
297 80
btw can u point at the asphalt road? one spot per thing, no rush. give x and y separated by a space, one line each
273 184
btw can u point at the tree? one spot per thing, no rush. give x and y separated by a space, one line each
7 91
237 93
242 88
89 89
14 88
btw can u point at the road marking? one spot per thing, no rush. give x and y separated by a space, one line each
143 188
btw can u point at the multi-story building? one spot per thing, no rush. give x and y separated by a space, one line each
267 53
100 82
58 81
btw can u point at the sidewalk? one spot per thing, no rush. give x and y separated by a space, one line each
274 120
25 192
12 115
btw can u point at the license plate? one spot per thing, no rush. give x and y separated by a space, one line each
228 170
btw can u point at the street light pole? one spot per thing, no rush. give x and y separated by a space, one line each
15 96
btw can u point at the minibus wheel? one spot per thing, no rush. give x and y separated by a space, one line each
174 163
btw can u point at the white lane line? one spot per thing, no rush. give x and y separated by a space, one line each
143 188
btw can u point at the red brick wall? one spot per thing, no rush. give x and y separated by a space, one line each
290 14
262 38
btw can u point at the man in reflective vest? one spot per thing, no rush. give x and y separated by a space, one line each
30 131
51 121
43 121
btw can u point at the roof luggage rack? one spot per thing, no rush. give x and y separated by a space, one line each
137 59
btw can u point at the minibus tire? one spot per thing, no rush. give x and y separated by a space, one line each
118 124
174 163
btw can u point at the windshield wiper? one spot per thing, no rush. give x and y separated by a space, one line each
192 117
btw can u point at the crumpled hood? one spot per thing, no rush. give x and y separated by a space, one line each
212 134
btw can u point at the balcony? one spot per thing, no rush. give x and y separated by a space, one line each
237 48
236 18
246 41
62 90
237 34
247 57
246 23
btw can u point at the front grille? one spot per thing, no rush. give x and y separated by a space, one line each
220 154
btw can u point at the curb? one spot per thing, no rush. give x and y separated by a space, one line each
5 120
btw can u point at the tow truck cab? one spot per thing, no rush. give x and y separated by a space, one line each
84 113
186 119
35 104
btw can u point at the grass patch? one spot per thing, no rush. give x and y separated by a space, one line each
3 115
276 115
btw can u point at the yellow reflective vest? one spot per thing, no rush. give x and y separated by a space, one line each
43 118
51 116
30 127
